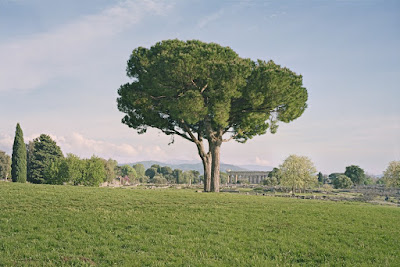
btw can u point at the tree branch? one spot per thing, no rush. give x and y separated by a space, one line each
178 133
204 88
157 97
187 129
230 138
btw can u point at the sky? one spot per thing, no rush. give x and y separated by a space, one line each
62 62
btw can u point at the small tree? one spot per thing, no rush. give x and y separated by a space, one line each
75 169
178 175
342 181
158 179
140 170
196 176
356 174
151 172
18 162
320 178
297 172
5 165
273 177
391 176
57 172
333 176
128 171
30 147
94 173
110 166
45 152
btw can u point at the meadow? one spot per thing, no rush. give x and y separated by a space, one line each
45 225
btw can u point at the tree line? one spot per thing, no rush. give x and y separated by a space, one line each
298 172
41 161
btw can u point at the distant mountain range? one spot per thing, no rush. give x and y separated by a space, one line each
198 166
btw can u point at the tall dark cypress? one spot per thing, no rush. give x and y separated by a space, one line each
18 162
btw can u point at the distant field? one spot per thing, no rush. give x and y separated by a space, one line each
65 225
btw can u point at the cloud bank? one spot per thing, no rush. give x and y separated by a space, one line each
30 62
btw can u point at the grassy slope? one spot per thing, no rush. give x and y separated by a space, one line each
63 225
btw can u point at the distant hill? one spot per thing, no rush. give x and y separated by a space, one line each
199 166
257 168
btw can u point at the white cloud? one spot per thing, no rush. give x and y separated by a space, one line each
208 19
30 62
6 142
80 145
85 147
263 162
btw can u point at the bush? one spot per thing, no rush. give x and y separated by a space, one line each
342 181
159 180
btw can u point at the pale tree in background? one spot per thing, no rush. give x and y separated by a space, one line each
5 165
297 172
392 174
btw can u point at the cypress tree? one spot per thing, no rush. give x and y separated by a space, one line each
18 162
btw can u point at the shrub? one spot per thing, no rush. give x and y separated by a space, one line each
342 181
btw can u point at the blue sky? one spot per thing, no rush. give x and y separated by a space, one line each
61 63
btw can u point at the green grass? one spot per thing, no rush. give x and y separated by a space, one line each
43 225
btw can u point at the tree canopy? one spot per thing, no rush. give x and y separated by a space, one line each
342 181
204 91
392 174
45 152
297 172
356 174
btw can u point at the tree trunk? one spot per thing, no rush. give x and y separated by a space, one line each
215 148
207 172
206 159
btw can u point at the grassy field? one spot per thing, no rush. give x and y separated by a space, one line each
65 225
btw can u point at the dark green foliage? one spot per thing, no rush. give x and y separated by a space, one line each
158 179
273 177
356 174
81 226
320 178
29 155
45 152
193 81
178 174
196 176
342 181
334 175
271 181
165 170
5 165
18 162
151 172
